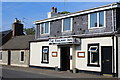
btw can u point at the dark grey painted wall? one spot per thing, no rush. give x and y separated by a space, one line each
55 28
80 25
118 19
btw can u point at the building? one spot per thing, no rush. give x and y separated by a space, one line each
15 52
87 40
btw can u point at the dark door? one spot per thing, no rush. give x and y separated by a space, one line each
9 57
65 58
106 59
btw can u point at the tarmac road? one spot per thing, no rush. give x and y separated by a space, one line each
21 73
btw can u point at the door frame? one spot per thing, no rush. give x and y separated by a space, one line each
102 59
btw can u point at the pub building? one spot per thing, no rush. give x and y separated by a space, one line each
87 41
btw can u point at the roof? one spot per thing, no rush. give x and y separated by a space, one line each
3 36
109 6
3 33
18 43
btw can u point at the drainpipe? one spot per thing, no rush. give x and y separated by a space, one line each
113 56
113 39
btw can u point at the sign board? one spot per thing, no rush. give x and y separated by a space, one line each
81 54
61 40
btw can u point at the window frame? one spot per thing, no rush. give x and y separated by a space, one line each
44 28
21 56
44 61
71 24
98 20
90 63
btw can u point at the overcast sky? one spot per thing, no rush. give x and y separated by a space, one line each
28 12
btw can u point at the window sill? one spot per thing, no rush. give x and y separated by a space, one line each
96 27
44 62
93 65
21 61
66 31
45 34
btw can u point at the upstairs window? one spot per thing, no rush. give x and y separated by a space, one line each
101 19
44 28
97 19
66 24
93 20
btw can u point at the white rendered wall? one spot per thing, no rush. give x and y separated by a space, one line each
36 55
81 63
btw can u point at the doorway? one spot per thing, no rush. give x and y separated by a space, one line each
106 57
65 58
9 57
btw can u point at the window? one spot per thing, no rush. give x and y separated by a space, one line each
93 20
44 29
97 19
45 54
0 55
22 56
93 54
101 19
66 24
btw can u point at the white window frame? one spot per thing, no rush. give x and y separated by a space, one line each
71 25
43 54
20 55
92 51
1 55
98 14
44 58
44 29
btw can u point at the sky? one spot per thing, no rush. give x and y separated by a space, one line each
28 12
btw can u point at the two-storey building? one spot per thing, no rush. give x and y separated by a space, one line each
87 40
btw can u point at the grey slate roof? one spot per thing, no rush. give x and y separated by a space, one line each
18 43
3 34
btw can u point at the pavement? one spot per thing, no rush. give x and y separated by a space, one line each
46 73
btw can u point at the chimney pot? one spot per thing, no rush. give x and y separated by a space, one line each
53 9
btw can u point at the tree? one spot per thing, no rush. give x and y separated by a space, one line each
64 12
29 31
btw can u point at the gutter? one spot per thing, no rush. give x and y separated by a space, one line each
114 5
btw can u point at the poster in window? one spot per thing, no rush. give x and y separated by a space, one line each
81 54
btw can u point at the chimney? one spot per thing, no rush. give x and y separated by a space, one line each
53 10
17 28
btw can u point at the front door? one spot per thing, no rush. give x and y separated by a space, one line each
65 58
106 56
9 57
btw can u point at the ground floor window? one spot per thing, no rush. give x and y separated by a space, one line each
22 56
45 54
93 54
0 55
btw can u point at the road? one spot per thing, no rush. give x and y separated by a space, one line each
6 73
36 73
